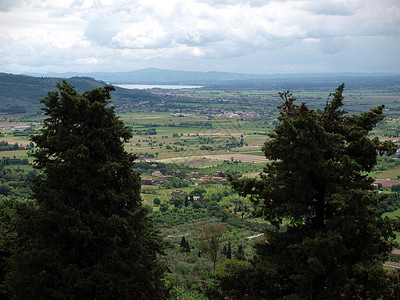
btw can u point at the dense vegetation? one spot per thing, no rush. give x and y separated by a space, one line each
86 235
20 93
186 145
336 238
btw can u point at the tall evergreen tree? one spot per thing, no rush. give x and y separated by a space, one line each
336 239
86 235
229 251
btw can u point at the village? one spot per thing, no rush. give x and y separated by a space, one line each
192 178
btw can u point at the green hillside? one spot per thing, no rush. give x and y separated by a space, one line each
21 93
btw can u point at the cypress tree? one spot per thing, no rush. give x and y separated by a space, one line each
86 235
335 240
229 251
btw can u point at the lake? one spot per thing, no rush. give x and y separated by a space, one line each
157 86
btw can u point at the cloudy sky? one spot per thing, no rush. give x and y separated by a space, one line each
253 36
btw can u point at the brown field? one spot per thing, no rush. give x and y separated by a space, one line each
393 174
237 156
214 159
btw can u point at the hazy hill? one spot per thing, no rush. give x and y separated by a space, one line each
21 93
160 76
213 79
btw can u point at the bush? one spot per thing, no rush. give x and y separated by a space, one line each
395 188
164 207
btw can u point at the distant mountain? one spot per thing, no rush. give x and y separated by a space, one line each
162 76
21 93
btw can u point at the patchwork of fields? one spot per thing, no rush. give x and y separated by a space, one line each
187 144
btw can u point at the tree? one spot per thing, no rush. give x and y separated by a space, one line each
210 237
232 276
395 188
177 200
198 191
239 254
86 235
336 239
227 250
164 207
184 246
156 201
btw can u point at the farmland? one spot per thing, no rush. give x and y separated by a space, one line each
211 126
186 145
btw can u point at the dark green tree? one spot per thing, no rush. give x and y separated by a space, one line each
227 250
336 240
164 207
184 246
86 235
177 200
239 254
183 242
395 188
156 201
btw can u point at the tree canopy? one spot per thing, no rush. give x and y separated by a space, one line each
86 235
334 239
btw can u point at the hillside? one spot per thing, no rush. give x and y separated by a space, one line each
21 93
214 79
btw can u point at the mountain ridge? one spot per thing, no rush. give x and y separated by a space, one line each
166 76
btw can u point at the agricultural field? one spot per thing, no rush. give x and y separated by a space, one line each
186 146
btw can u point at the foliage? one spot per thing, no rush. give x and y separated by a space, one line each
390 202
188 272
210 237
20 92
395 188
232 276
164 207
185 247
178 200
7 237
336 239
87 234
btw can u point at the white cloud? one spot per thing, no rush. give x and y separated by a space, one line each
100 32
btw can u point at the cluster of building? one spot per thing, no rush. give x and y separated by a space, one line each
206 112
194 177
15 127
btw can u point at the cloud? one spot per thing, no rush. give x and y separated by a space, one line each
332 7
99 32
102 30
7 5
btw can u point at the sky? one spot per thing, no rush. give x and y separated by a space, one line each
253 36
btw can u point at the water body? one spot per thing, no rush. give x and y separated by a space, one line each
157 86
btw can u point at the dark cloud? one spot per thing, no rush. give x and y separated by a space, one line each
332 8
7 5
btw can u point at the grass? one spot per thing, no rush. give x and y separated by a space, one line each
25 168
394 214
255 153
393 174
14 153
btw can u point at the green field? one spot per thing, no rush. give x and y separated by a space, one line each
14 154
393 173
195 138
